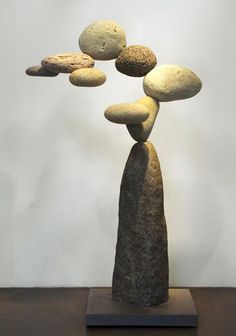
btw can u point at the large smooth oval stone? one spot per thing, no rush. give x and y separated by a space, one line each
103 40
39 71
136 61
87 77
67 63
169 82
142 131
127 113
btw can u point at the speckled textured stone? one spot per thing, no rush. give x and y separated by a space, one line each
169 82
89 77
67 63
39 71
136 61
126 113
103 40
141 263
142 131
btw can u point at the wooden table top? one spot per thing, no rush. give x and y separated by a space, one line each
61 312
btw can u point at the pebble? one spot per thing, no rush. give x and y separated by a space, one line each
142 131
103 40
136 61
171 82
39 71
67 63
87 77
127 113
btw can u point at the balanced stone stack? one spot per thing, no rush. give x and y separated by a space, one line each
141 264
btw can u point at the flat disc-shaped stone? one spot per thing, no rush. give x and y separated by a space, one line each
127 113
39 71
103 40
136 61
67 63
141 263
89 77
169 82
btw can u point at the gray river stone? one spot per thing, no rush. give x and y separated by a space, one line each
141 263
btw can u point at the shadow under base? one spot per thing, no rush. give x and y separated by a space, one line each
178 311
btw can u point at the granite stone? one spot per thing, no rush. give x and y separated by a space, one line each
141 263
67 63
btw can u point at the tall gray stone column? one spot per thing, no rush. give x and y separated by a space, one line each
141 264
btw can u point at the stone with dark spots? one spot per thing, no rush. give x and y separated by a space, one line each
39 71
136 61
141 263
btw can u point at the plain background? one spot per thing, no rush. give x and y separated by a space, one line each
61 161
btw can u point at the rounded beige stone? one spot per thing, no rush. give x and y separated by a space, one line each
89 77
103 40
142 131
169 82
39 71
127 113
67 63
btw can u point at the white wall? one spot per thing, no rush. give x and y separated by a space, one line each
61 161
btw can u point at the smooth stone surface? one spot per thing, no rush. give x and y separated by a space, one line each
39 71
136 61
142 131
178 311
169 82
67 63
141 264
127 113
89 77
103 40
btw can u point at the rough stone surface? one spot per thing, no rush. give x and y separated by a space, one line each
89 77
169 82
39 71
142 131
67 63
141 263
103 40
136 61
127 113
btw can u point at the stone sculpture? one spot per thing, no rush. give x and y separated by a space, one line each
141 263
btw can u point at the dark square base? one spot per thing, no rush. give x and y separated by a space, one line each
178 311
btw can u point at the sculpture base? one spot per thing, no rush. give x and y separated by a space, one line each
178 311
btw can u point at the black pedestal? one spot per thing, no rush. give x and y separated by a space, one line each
178 311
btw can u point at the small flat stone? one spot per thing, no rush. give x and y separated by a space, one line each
103 40
127 113
136 61
39 71
67 63
169 82
142 131
87 77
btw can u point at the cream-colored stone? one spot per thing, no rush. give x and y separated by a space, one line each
142 131
89 77
169 82
103 40
127 113
67 63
